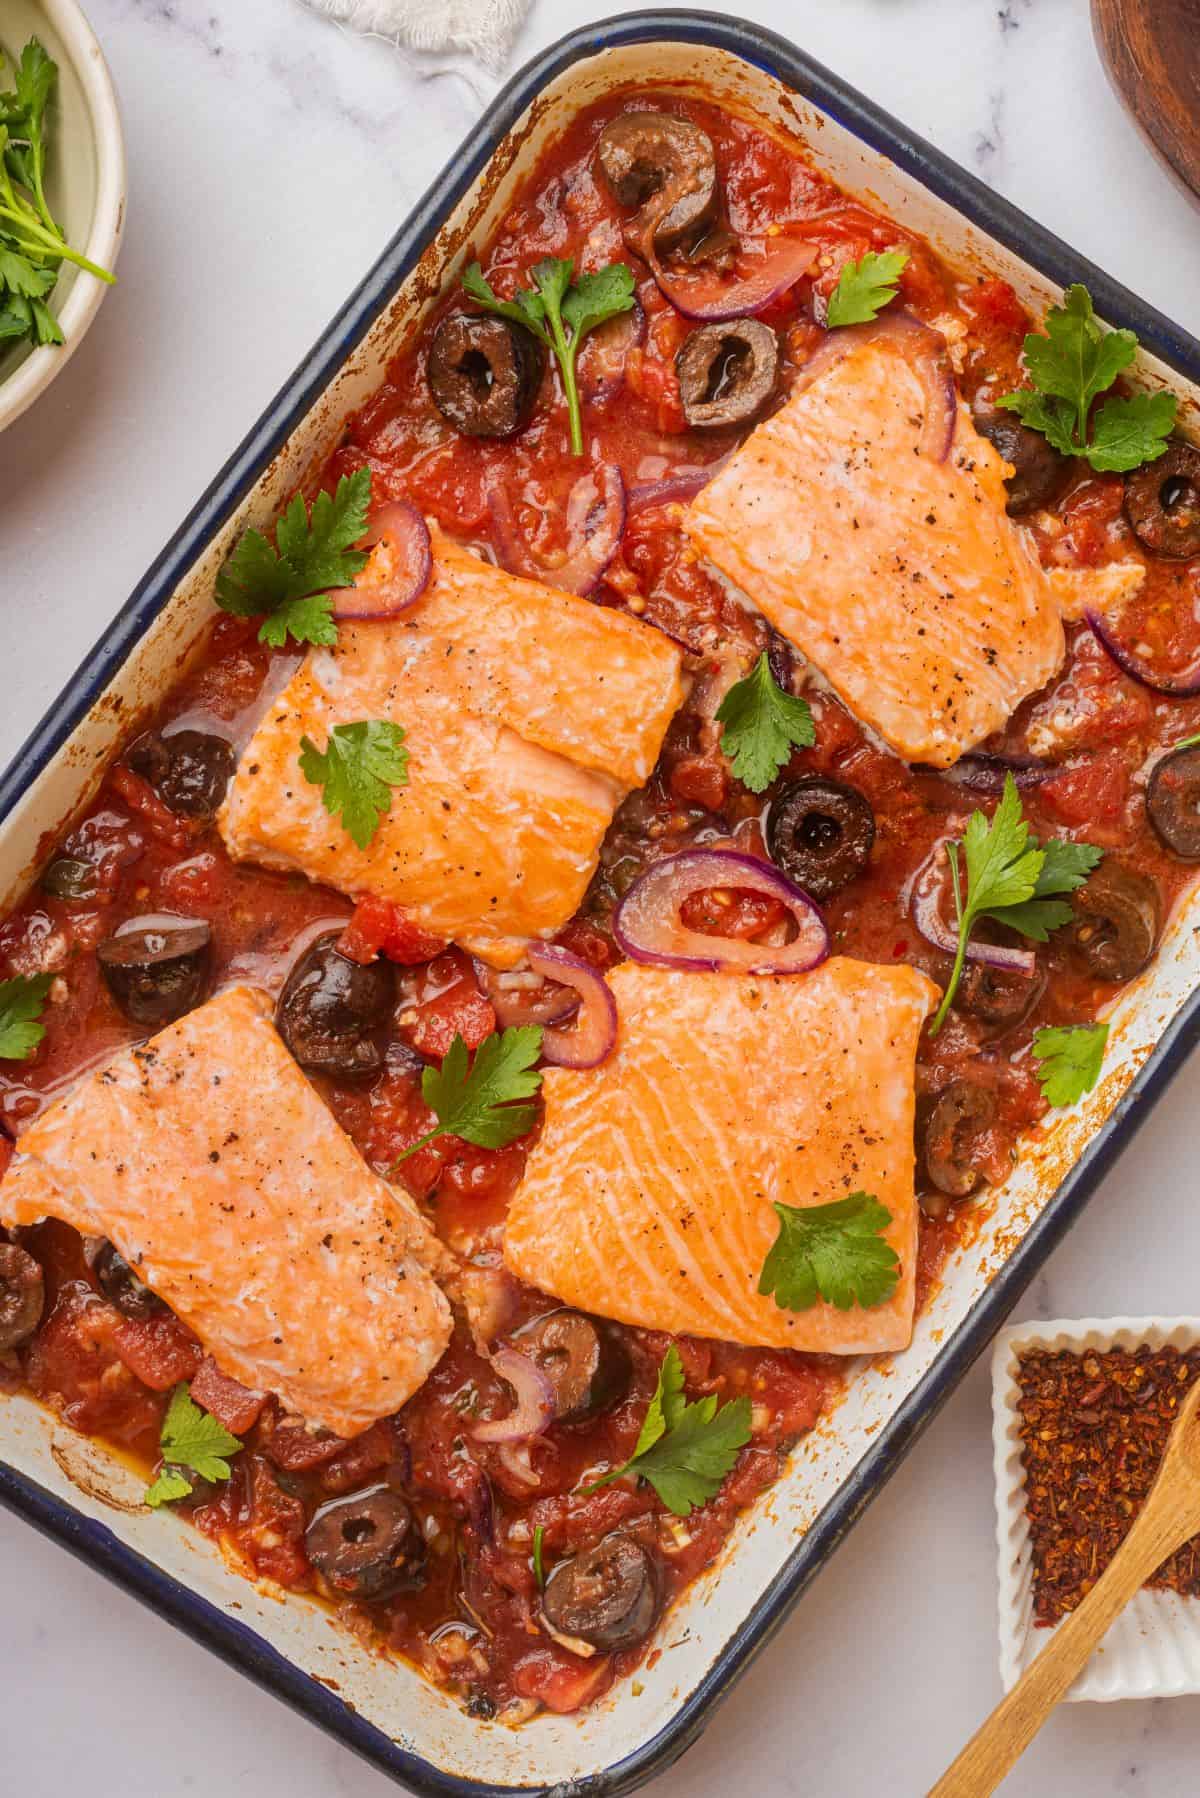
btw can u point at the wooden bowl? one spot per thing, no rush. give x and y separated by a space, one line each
1151 50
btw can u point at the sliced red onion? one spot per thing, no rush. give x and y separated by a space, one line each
1175 686
648 926
710 296
398 569
982 773
602 360
673 489
591 1039
925 905
595 525
525 998
535 1400
925 352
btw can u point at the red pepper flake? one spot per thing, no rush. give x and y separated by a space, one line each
899 950
1094 1427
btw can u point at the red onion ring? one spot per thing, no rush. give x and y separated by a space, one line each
647 924
591 1039
595 526
506 992
1175 686
925 352
602 360
710 296
924 903
398 569
534 1408
677 488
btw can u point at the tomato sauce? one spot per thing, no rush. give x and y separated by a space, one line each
472 1621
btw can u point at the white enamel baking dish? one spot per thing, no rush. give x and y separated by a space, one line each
69 1487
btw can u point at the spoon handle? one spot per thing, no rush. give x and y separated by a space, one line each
1167 1521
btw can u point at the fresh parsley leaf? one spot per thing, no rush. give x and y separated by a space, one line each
22 1001
539 1571
356 772
1002 870
19 275
865 287
169 1485
193 1439
556 305
1071 365
834 1252
1065 866
761 725
684 1451
313 552
480 1101
1069 1060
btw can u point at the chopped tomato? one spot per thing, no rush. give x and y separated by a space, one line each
561 1681
701 780
229 1402
380 928
443 1001
367 1454
73 1365
6 1153
292 1445
996 303
731 913
1094 794
159 1350
141 798
589 942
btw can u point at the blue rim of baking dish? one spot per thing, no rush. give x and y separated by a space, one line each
91 1541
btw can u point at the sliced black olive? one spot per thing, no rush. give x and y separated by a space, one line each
1173 802
333 1013
1117 918
997 996
727 372
189 770
953 1137
1162 502
583 1358
158 970
69 877
1039 471
22 1295
121 1286
666 168
607 1595
484 374
368 1544
820 833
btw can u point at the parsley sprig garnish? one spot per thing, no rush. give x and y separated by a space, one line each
555 306
1069 1060
483 1100
834 1252
865 287
32 247
761 725
684 1450
290 581
22 1001
1011 878
190 1439
356 772
1070 367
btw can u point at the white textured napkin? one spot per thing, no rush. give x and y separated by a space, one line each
484 29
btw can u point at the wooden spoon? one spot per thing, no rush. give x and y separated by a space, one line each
1170 1515
1151 49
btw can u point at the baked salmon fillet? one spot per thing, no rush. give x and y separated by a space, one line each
528 713
649 1196
901 578
222 1177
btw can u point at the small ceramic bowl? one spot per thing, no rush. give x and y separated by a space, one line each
85 182
1153 1648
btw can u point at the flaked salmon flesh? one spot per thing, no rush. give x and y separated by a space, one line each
900 578
210 1161
528 713
649 1195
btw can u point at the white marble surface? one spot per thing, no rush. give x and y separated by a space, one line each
270 156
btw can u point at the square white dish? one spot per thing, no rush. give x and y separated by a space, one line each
1153 1648
69 1487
